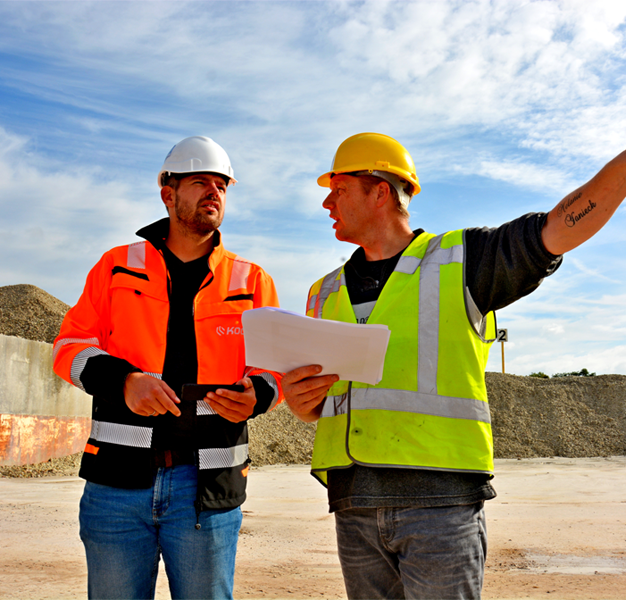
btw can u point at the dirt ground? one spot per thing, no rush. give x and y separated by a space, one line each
558 527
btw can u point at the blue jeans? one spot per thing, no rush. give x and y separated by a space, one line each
126 531
413 552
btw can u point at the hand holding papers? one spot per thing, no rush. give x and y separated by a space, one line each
281 340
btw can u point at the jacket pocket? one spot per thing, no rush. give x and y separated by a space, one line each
138 325
219 335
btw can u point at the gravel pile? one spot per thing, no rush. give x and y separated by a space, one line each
66 466
30 313
531 417
565 416
279 438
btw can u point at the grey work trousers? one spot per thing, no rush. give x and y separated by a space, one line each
413 552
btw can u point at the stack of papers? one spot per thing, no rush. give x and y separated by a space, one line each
280 340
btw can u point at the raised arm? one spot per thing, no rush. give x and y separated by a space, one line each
585 211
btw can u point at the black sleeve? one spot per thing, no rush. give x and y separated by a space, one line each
264 395
508 262
104 376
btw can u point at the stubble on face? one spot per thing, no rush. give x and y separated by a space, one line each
196 221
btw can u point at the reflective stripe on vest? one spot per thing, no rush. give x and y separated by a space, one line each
329 285
122 435
406 401
428 341
222 458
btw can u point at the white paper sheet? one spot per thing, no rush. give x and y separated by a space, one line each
281 340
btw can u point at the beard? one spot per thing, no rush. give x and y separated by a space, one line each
194 221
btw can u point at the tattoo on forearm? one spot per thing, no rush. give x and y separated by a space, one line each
572 218
567 203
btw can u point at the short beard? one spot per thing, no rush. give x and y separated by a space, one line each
195 223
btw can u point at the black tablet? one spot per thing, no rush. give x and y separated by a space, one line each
197 391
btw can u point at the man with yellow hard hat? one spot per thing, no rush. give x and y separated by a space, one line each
408 462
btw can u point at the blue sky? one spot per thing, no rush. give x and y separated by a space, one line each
505 106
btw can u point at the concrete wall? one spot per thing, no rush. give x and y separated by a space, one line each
41 416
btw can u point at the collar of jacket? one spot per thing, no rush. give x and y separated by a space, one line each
156 233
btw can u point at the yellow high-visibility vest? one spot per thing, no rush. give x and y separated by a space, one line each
430 410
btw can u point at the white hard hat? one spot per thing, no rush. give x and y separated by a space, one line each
197 154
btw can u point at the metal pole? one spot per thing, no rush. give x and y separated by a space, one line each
502 344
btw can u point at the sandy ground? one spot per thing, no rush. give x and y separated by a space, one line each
558 527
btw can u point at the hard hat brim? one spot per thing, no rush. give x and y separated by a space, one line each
231 180
324 180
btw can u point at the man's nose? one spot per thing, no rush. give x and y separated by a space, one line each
328 201
211 189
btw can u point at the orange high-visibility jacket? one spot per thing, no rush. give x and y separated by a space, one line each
124 312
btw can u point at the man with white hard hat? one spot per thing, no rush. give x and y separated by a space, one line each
408 462
165 476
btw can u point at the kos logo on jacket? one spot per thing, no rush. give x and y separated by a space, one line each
221 330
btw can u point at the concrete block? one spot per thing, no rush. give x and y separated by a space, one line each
41 416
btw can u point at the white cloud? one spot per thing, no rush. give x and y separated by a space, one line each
593 273
561 328
54 225
521 67
525 174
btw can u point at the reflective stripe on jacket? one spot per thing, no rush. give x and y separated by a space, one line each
430 410
124 312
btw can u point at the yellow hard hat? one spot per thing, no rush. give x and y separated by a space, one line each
373 152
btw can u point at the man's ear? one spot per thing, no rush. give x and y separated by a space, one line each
167 196
383 194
